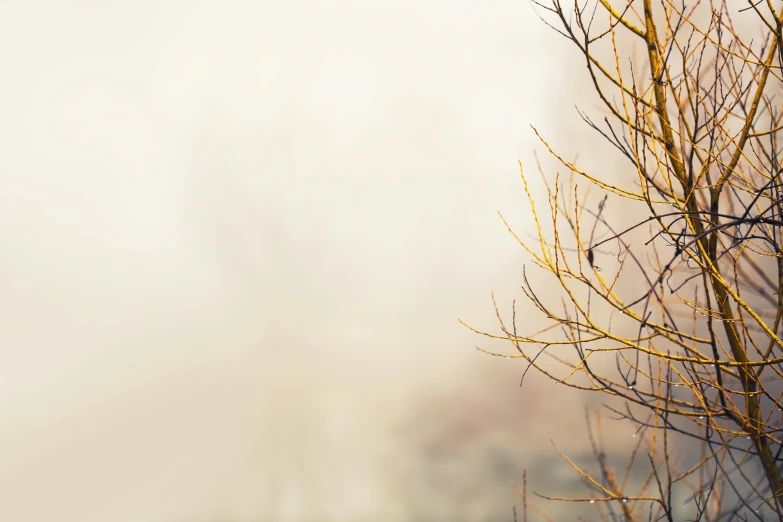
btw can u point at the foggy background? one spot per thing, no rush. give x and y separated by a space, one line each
236 239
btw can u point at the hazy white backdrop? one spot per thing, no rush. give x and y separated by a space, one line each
235 241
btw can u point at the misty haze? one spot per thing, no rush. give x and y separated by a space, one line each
237 237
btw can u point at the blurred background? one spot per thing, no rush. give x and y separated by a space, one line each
236 239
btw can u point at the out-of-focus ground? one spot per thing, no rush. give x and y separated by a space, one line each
236 239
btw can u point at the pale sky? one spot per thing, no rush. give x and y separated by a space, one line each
236 239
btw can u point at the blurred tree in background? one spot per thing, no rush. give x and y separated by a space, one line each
669 275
